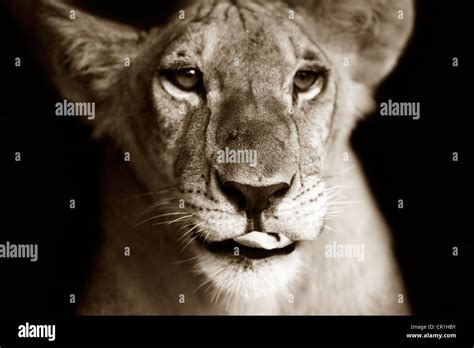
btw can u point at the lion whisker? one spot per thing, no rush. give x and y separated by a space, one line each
150 193
207 281
340 173
157 217
344 202
155 207
189 231
185 260
329 228
192 238
169 222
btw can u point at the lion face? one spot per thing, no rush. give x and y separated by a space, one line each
234 109
261 87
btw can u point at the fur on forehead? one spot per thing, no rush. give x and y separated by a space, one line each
87 53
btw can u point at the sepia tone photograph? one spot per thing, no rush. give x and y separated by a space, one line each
240 159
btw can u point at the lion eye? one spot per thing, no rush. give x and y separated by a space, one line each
305 79
186 79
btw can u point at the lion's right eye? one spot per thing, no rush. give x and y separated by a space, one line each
305 79
186 79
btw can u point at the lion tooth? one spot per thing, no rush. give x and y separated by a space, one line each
263 240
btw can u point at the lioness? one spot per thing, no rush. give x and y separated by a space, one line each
191 226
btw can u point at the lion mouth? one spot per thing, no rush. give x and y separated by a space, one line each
254 245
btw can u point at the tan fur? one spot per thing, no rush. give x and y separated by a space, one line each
173 138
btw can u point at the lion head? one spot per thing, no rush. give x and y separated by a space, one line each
231 111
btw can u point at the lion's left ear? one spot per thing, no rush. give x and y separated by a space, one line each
367 35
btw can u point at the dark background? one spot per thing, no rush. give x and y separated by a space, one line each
403 158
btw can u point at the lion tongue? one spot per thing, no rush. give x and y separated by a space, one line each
263 240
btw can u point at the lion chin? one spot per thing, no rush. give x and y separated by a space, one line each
241 280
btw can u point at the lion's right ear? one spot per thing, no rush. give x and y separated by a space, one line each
84 53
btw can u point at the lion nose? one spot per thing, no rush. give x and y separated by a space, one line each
254 198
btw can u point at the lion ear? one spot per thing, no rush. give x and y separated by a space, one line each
368 36
85 53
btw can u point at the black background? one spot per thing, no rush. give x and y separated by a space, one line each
403 158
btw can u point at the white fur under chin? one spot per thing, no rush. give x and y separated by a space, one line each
245 286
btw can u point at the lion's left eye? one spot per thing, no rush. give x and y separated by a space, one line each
186 79
305 79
